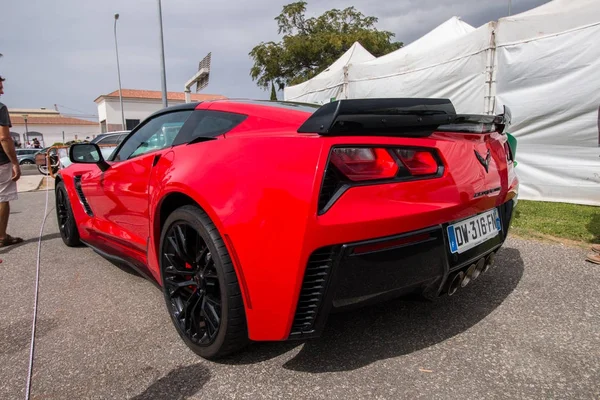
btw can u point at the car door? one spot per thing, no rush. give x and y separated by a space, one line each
118 196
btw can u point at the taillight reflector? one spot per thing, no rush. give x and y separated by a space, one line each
364 163
369 248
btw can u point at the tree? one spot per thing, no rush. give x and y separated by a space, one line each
273 92
310 45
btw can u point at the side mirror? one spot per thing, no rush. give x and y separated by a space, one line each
87 153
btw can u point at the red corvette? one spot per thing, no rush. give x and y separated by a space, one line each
258 219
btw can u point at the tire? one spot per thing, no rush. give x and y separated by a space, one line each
43 169
27 162
64 215
189 281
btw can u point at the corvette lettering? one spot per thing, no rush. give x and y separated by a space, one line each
486 192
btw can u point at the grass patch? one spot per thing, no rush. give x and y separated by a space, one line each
560 220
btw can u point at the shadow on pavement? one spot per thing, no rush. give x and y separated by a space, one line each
4 250
179 383
17 336
357 338
123 267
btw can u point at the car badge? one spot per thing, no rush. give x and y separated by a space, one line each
484 161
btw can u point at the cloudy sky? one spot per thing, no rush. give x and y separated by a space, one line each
63 52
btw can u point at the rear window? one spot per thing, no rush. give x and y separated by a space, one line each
207 123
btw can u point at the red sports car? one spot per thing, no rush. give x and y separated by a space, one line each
258 219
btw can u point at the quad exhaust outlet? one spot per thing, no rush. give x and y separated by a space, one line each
464 276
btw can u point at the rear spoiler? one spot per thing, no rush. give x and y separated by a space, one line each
412 117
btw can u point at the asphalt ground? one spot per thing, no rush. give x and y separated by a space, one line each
27 170
528 329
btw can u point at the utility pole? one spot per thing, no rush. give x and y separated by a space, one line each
509 4
119 73
26 130
162 59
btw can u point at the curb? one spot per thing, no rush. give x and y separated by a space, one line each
33 186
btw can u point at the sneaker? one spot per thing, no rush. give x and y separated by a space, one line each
593 258
596 248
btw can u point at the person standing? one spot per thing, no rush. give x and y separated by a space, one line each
10 172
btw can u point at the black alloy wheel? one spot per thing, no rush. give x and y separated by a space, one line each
199 284
64 214
192 284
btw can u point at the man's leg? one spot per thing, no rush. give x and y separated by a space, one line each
4 213
8 193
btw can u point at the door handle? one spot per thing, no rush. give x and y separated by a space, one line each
155 161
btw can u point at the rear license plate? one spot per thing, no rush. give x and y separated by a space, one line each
473 231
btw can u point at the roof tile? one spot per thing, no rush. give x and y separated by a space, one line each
59 120
157 95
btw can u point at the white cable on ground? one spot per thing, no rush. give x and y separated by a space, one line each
35 300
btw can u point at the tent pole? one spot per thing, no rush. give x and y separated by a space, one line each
345 86
490 95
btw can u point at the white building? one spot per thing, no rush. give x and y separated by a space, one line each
49 127
137 105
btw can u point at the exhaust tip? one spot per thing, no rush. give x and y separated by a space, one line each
489 261
468 276
479 267
455 283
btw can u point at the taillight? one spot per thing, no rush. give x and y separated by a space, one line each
363 163
418 162
375 163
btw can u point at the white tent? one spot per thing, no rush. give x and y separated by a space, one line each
544 64
443 33
548 73
449 62
329 83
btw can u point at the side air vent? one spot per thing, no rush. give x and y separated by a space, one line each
316 277
82 199
331 183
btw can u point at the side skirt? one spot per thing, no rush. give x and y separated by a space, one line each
130 264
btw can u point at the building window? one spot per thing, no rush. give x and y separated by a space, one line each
103 128
131 123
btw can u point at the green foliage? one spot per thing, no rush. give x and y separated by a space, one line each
311 45
561 220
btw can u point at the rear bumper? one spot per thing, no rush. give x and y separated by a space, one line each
354 274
